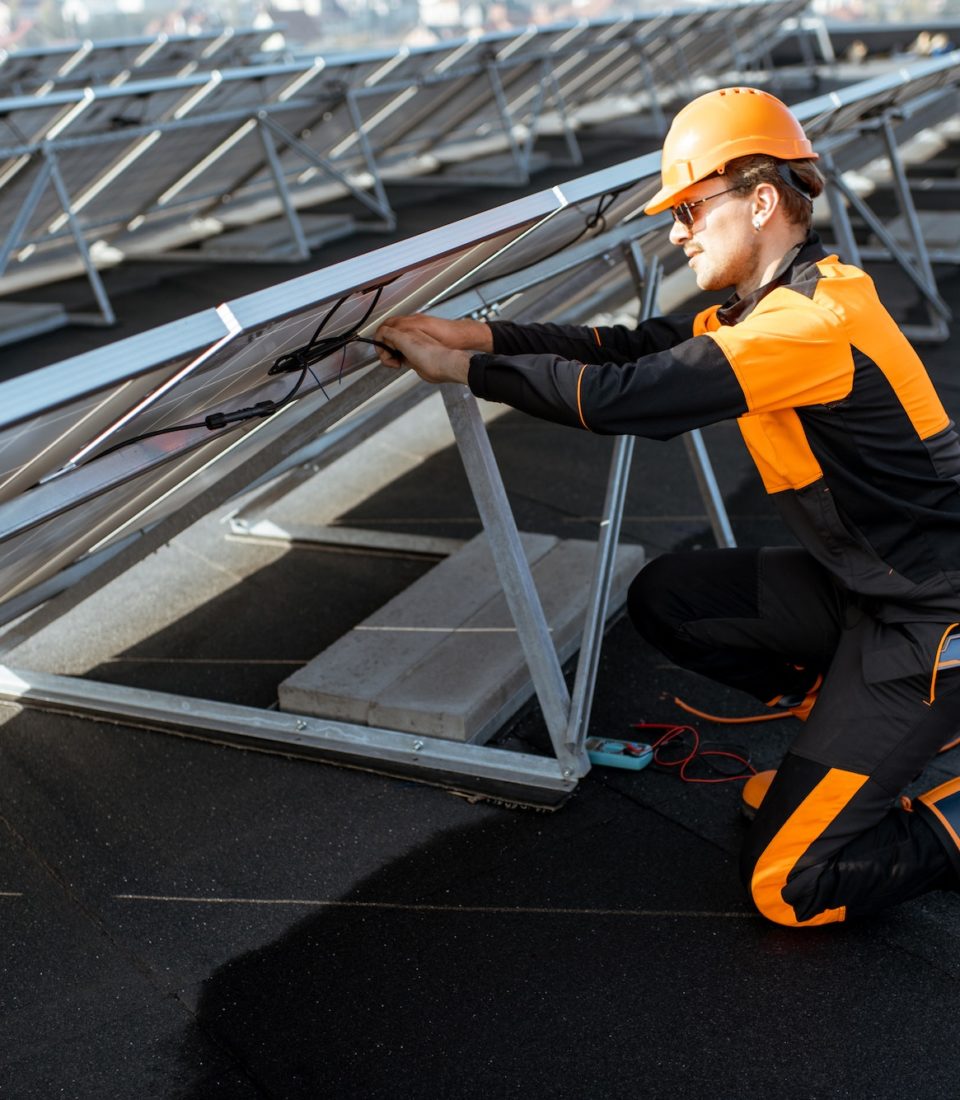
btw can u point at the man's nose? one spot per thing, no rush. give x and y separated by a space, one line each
678 233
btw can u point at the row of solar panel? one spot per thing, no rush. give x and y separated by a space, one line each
41 69
150 165
107 444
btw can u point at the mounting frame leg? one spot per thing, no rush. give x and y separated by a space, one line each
514 572
377 204
106 315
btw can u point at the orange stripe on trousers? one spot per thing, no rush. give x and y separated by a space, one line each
807 822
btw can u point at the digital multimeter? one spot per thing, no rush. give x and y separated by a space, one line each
619 754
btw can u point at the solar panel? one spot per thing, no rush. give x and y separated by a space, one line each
114 61
82 400
841 110
228 48
597 71
662 54
233 172
24 71
97 467
108 62
170 164
123 151
322 119
519 71
86 132
449 104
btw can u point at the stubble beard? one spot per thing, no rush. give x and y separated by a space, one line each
742 271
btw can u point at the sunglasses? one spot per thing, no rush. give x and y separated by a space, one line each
683 212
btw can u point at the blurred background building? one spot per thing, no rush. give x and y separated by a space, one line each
324 25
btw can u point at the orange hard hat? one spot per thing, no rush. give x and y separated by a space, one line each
718 127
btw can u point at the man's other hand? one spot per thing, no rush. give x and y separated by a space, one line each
432 360
463 335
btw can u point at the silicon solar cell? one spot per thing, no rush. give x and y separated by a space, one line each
50 413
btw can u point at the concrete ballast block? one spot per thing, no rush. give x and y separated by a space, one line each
443 658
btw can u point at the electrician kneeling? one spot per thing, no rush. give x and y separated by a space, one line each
859 456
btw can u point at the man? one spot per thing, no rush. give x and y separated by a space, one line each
855 448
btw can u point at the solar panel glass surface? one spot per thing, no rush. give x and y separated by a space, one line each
24 71
105 460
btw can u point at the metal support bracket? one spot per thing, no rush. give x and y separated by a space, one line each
523 777
575 156
377 204
521 157
50 173
514 573
300 247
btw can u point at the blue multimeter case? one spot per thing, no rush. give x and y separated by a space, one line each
619 754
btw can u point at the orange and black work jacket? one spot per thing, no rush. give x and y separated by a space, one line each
837 411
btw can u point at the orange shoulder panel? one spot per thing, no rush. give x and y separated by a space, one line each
788 352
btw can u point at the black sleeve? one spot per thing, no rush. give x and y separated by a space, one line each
658 396
604 344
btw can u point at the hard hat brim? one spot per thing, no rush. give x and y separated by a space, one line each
662 200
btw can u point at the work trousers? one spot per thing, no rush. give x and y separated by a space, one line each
832 838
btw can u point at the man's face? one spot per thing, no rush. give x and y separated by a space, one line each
721 245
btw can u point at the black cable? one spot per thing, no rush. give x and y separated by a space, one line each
607 199
316 350
301 359
356 329
214 421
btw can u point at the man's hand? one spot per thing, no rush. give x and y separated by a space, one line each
464 335
433 361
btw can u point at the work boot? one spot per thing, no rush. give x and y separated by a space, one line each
754 791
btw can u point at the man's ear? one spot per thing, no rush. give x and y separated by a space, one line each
766 199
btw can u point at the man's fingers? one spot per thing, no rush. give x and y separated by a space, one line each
431 359
392 339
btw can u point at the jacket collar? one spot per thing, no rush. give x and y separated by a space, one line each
735 308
